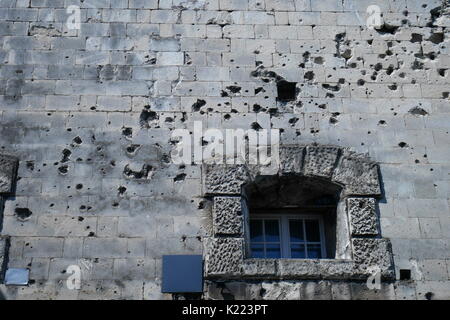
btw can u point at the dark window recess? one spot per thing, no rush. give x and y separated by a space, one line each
291 217
405 274
287 91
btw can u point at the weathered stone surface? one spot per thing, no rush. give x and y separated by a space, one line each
291 159
320 161
227 216
358 174
369 254
363 216
282 290
223 256
225 180
259 267
312 290
8 169
3 255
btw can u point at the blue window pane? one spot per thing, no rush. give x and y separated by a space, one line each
273 251
312 230
257 251
272 230
256 233
298 251
314 251
296 230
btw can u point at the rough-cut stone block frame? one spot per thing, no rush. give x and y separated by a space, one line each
8 172
225 252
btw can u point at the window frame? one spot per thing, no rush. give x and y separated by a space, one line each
285 243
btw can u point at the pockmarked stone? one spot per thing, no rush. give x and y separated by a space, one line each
227 215
320 161
224 256
371 255
363 217
291 159
8 170
225 180
358 174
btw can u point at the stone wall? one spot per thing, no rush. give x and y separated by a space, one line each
89 112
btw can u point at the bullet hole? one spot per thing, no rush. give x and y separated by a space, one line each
322 106
442 72
63 169
417 161
201 205
80 219
91 234
389 70
30 165
197 105
333 120
257 108
233 89
415 37
405 274
145 173
132 149
146 116
115 204
293 121
387 29
77 140
286 90
417 65
381 123
335 88
378 67
418 111
318 60
309 75
121 190
429 295
127 132
258 90
393 87
79 186
360 82
255 126
23 214
227 116
437 38
403 144
179 177
445 95
66 153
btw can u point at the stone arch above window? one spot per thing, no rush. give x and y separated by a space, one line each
359 252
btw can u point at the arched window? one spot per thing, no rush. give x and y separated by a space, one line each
314 218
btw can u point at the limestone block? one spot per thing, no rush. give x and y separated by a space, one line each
358 174
8 169
259 267
320 161
281 290
291 159
373 253
225 180
3 254
363 217
224 256
227 215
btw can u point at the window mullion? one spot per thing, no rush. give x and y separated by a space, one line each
305 236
